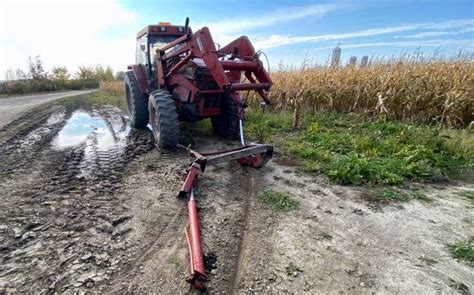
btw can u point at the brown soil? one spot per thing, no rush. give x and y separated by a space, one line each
98 212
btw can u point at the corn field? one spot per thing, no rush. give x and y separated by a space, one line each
112 87
437 92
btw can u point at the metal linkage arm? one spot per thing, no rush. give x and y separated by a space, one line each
197 275
253 155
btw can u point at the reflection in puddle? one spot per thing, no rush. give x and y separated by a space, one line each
102 137
105 132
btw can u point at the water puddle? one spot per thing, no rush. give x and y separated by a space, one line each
100 136
103 132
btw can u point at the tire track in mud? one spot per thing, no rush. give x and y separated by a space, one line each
59 207
225 207
227 217
245 241
167 232
23 139
253 249
86 168
159 237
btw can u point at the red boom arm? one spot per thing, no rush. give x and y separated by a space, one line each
234 58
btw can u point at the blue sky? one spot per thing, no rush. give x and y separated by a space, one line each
103 31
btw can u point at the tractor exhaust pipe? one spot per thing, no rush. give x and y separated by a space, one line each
186 25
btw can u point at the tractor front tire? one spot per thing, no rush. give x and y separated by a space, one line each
163 119
226 124
137 103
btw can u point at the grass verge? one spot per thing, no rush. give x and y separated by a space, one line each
96 98
463 250
351 149
279 201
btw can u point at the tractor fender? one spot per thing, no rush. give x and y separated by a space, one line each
140 76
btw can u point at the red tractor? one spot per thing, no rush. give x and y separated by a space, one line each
181 76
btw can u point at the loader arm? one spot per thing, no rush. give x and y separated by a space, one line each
234 58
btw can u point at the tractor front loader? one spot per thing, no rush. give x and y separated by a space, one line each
181 76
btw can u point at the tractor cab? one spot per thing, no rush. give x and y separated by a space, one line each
154 37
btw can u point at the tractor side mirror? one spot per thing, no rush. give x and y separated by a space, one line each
142 47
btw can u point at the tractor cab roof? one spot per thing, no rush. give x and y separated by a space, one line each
162 28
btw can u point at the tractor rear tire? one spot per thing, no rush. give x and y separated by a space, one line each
226 125
137 103
163 119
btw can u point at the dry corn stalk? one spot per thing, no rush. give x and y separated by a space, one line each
436 92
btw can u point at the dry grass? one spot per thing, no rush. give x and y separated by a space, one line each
437 92
112 87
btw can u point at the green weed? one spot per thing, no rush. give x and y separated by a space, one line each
292 270
468 195
264 126
352 149
395 195
279 201
463 250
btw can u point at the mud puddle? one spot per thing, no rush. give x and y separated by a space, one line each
93 130
102 138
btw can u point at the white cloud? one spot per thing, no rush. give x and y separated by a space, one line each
235 25
67 32
435 34
280 40
227 30
463 43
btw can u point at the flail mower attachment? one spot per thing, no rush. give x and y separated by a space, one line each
253 155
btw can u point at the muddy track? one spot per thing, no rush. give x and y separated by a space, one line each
89 205
59 203
244 241
161 260
24 138
103 205
159 233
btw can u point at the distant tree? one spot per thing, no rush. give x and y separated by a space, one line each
108 74
99 72
10 75
60 74
35 68
21 75
104 74
85 73
119 75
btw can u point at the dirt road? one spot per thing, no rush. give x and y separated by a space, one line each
88 204
11 107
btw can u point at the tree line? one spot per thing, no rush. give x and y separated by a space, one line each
35 71
37 79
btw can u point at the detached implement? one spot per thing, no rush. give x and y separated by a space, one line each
253 155
181 76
